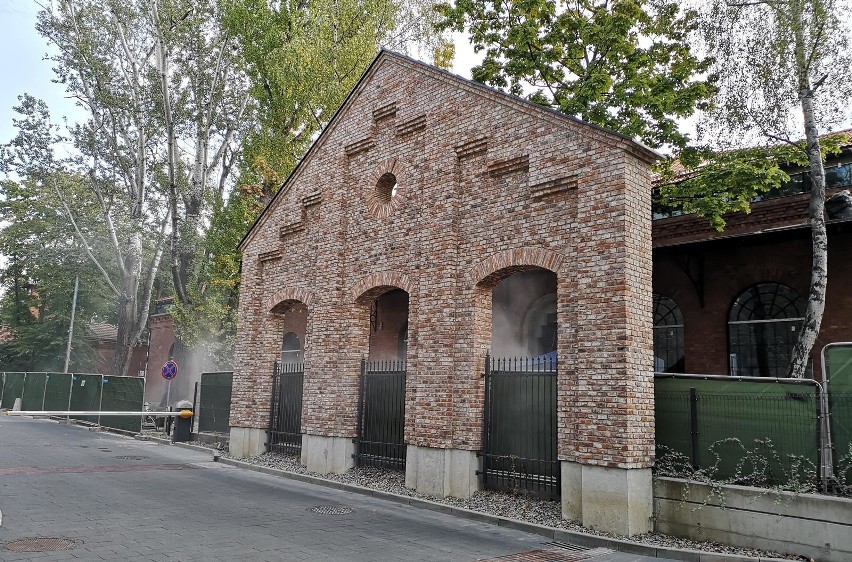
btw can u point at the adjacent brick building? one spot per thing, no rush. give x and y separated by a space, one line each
731 302
421 196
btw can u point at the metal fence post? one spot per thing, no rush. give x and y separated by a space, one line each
195 406
272 407
693 425
23 391
70 393
44 390
2 388
101 401
360 428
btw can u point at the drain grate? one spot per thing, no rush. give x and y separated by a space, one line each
567 546
331 510
540 556
131 458
40 544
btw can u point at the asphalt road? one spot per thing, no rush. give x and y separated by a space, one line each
123 499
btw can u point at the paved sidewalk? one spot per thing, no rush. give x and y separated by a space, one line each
167 503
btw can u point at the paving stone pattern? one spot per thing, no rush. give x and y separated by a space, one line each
209 511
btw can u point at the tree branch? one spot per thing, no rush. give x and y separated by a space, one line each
84 241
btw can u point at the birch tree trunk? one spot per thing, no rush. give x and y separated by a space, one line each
819 235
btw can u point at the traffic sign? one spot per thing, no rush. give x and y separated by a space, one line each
170 370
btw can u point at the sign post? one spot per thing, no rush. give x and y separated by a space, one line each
169 371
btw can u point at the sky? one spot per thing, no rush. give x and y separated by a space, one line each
23 68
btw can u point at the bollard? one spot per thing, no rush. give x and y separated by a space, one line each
183 422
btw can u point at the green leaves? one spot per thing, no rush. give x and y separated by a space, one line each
624 65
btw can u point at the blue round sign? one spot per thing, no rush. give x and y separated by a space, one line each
170 370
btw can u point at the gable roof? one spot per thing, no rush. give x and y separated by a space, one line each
638 149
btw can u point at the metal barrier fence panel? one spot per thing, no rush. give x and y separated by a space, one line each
381 413
57 391
86 395
34 387
13 388
285 412
214 402
837 363
122 394
730 426
520 431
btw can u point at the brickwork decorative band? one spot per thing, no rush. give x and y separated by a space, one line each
509 166
384 111
291 228
270 255
552 187
359 146
412 125
472 147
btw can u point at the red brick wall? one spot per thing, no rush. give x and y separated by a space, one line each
732 266
488 186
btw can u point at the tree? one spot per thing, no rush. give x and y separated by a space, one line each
104 49
166 106
785 73
622 64
203 101
43 256
301 60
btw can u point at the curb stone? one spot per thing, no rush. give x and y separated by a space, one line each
564 535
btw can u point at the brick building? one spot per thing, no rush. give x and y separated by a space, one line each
732 302
429 209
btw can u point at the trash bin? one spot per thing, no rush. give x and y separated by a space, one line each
183 425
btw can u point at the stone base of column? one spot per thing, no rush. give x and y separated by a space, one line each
615 500
327 455
442 472
247 442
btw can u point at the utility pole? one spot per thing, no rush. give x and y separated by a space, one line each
71 327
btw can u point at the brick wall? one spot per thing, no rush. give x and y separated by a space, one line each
487 186
730 267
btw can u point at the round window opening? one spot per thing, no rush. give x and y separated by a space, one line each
386 187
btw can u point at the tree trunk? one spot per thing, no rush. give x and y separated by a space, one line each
819 236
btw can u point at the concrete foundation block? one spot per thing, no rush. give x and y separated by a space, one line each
615 500
442 472
247 442
327 455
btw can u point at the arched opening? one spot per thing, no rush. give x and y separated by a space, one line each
523 317
381 429
389 326
668 336
521 383
291 348
289 327
763 327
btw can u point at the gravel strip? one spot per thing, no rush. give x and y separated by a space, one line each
502 504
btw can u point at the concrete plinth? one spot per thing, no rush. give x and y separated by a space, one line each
247 441
327 455
441 472
615 500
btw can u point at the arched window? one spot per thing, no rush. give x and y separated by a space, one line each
763 326
291 349
668 336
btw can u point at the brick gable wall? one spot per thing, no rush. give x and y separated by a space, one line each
487 186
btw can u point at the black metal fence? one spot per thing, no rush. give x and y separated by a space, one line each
285 418
381 415
520 433
214 402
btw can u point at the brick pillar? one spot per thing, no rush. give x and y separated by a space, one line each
607 426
